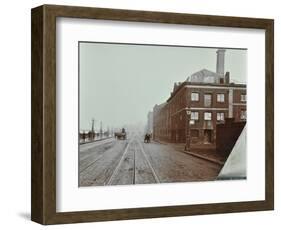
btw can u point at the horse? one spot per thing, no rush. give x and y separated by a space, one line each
147 138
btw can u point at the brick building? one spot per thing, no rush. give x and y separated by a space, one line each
198 104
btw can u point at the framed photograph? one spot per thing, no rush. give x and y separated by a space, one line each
139 114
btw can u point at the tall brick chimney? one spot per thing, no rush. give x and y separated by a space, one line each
220 62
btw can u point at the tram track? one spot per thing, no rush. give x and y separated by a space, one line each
133 162
132 151
93 162
157 180
134 168
113 175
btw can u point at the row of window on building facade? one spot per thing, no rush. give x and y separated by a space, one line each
208 98
208 116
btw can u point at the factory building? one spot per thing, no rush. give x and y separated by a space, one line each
198 104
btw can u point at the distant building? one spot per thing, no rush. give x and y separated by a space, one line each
209 97
149 125
161 122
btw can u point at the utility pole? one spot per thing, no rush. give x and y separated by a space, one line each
93 129
101 129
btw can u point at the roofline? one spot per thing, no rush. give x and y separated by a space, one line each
204 69
240 85
185 83
178 89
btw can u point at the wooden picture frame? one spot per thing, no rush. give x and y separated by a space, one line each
43 189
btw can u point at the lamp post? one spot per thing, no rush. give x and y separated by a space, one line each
187 130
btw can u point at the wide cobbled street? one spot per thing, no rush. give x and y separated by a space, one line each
131 161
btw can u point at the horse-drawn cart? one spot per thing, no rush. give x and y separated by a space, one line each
120 135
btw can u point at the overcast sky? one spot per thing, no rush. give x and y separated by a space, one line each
120 83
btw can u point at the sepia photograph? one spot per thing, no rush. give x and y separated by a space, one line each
141 114
161 114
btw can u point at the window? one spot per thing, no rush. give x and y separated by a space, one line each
207 100
191 122
194 116
220 116
220 97
243 115
243 97
194 96
207 116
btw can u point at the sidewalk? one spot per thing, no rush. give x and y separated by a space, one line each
87 142
208 154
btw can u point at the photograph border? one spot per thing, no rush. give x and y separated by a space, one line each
43 113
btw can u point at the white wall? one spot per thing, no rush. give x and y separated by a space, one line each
15 112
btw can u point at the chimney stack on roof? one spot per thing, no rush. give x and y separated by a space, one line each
220 62
227 78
